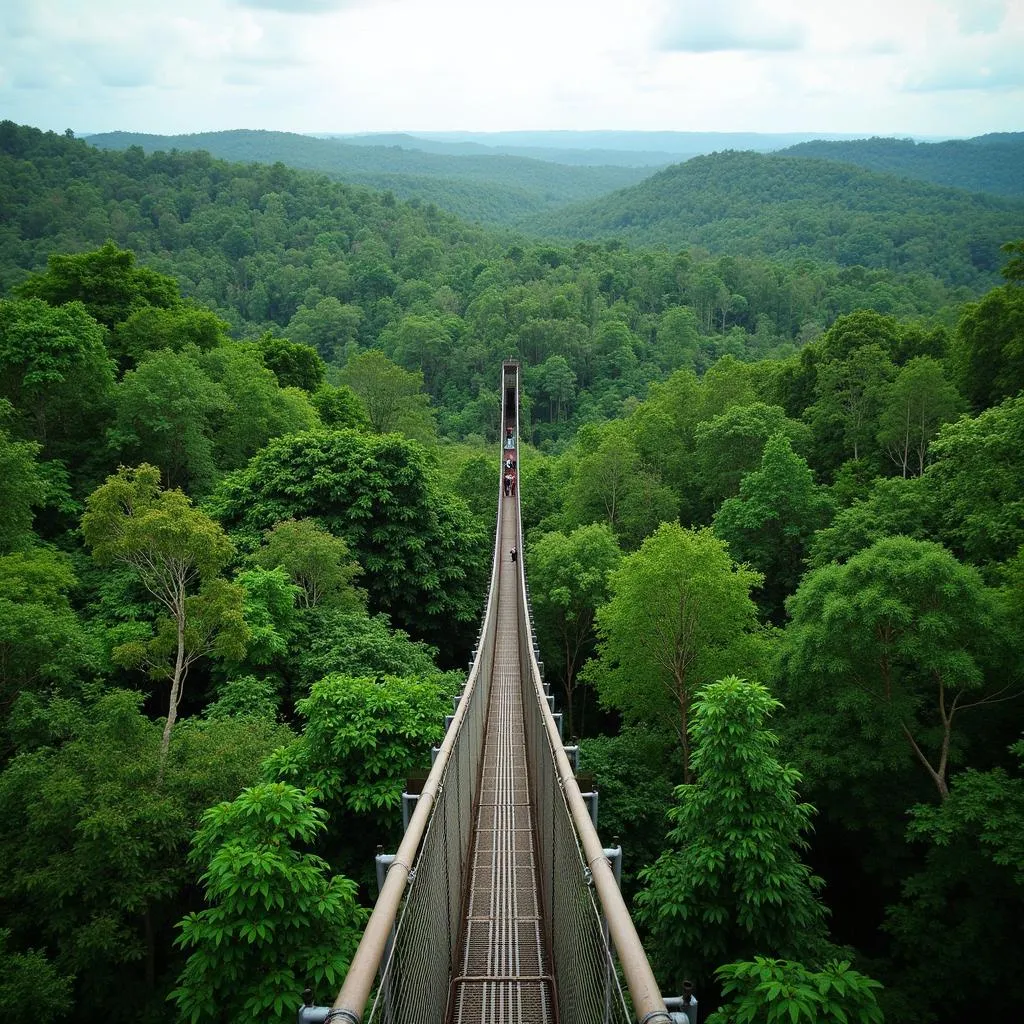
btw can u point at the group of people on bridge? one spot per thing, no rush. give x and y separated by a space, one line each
511 464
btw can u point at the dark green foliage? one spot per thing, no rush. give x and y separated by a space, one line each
55 371
732 883
784 992
963 905
974 479
988 351
32 991
93 852
423 555
276 922
779 205
107 282
22 486
295 366
770 524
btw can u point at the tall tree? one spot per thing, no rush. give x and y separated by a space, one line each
107 281
176 553
896 642
679 616
569 581
732 883
916 404
167 409
55 372
276 919
771 523
423 553
394 398
318 563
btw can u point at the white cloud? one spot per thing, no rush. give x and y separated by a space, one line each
877 66
698 27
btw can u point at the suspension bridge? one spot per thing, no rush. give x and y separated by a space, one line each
501 905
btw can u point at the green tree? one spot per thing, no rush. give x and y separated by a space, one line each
166 412
679 616
569 581
917 403
107 281
32 991
987 354
22 487
43 643
55 371
960 907
340 408
678 339
294 365
893 506
787 992
328 327
423 553
770 524
256 408
330 641
151 328
732 444
974 479
276 919
732 884
176 553
609 484
850 393
317 562
558 383
94 846
393 397
894 642
362 740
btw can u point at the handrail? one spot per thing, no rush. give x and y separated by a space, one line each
648 1003
355 991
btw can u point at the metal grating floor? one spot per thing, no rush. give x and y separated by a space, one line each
504 974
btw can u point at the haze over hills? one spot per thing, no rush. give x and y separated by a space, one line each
491 187
632 149
784 206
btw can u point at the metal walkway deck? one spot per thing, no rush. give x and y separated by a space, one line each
500 905
503 963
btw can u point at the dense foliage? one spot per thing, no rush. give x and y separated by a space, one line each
247 484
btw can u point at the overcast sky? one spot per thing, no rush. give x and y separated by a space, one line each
891 67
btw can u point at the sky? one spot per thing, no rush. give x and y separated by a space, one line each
930 68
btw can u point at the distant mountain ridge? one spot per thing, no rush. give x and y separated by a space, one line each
491 187
1000 170
790 207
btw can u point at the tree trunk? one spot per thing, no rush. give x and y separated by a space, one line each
176 683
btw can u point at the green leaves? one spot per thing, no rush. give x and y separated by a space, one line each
732 871
679 616
770 991
276 920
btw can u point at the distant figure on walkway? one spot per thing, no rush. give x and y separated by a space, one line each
508 484
512 484
513 554
510 443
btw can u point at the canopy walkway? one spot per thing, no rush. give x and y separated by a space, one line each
501 905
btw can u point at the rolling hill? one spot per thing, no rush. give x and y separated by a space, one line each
791 207
492 188
987 163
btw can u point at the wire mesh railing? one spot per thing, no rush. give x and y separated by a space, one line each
413 935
